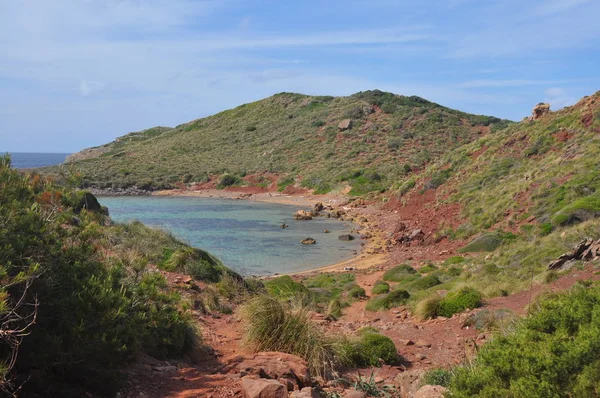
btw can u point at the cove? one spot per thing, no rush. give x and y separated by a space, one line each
245 235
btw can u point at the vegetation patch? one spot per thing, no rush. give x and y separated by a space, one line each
552 353
380 287
487 242
285 287
399 273
581 210
395 298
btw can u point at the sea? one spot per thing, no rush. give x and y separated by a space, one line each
245 235
25 160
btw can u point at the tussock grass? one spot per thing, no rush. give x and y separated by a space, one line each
380 287
395 298
272 325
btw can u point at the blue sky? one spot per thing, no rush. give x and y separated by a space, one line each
78 73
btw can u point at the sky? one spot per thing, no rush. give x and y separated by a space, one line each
79 73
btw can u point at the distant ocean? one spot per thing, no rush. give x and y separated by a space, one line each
23 160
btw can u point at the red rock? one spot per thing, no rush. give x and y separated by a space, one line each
263 388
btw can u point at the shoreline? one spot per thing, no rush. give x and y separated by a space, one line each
266 197
363 260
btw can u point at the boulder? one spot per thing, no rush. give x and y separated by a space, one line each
408 382
289 368
263 388
416 234
429 391
303 215
586 250
325 231
345 124
540 110
319 206
308 241
346 237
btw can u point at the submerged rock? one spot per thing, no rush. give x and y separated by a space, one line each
346 237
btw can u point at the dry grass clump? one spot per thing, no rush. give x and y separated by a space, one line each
273 325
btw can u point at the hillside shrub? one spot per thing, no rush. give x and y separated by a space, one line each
552 353
380 287
395 298
373 347
399 273
228 180
285 287
97 306
455 302
581 210
424 283
357 292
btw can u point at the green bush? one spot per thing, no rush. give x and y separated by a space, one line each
455 302
380 287
357 292
374 347
454 260
285 287
95 312
437 377
399 273
228 180
424 283
552 353
427 269
393 299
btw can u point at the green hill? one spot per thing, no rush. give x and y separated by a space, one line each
300 138
543 172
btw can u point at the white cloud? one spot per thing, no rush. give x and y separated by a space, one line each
87 87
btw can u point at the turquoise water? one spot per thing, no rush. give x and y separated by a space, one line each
245 235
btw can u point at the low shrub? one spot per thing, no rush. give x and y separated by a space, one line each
437 377
427 269
380 287
228 180
357 292
455 302
424 283
552 353
374 348
393 299
398 273
285 287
